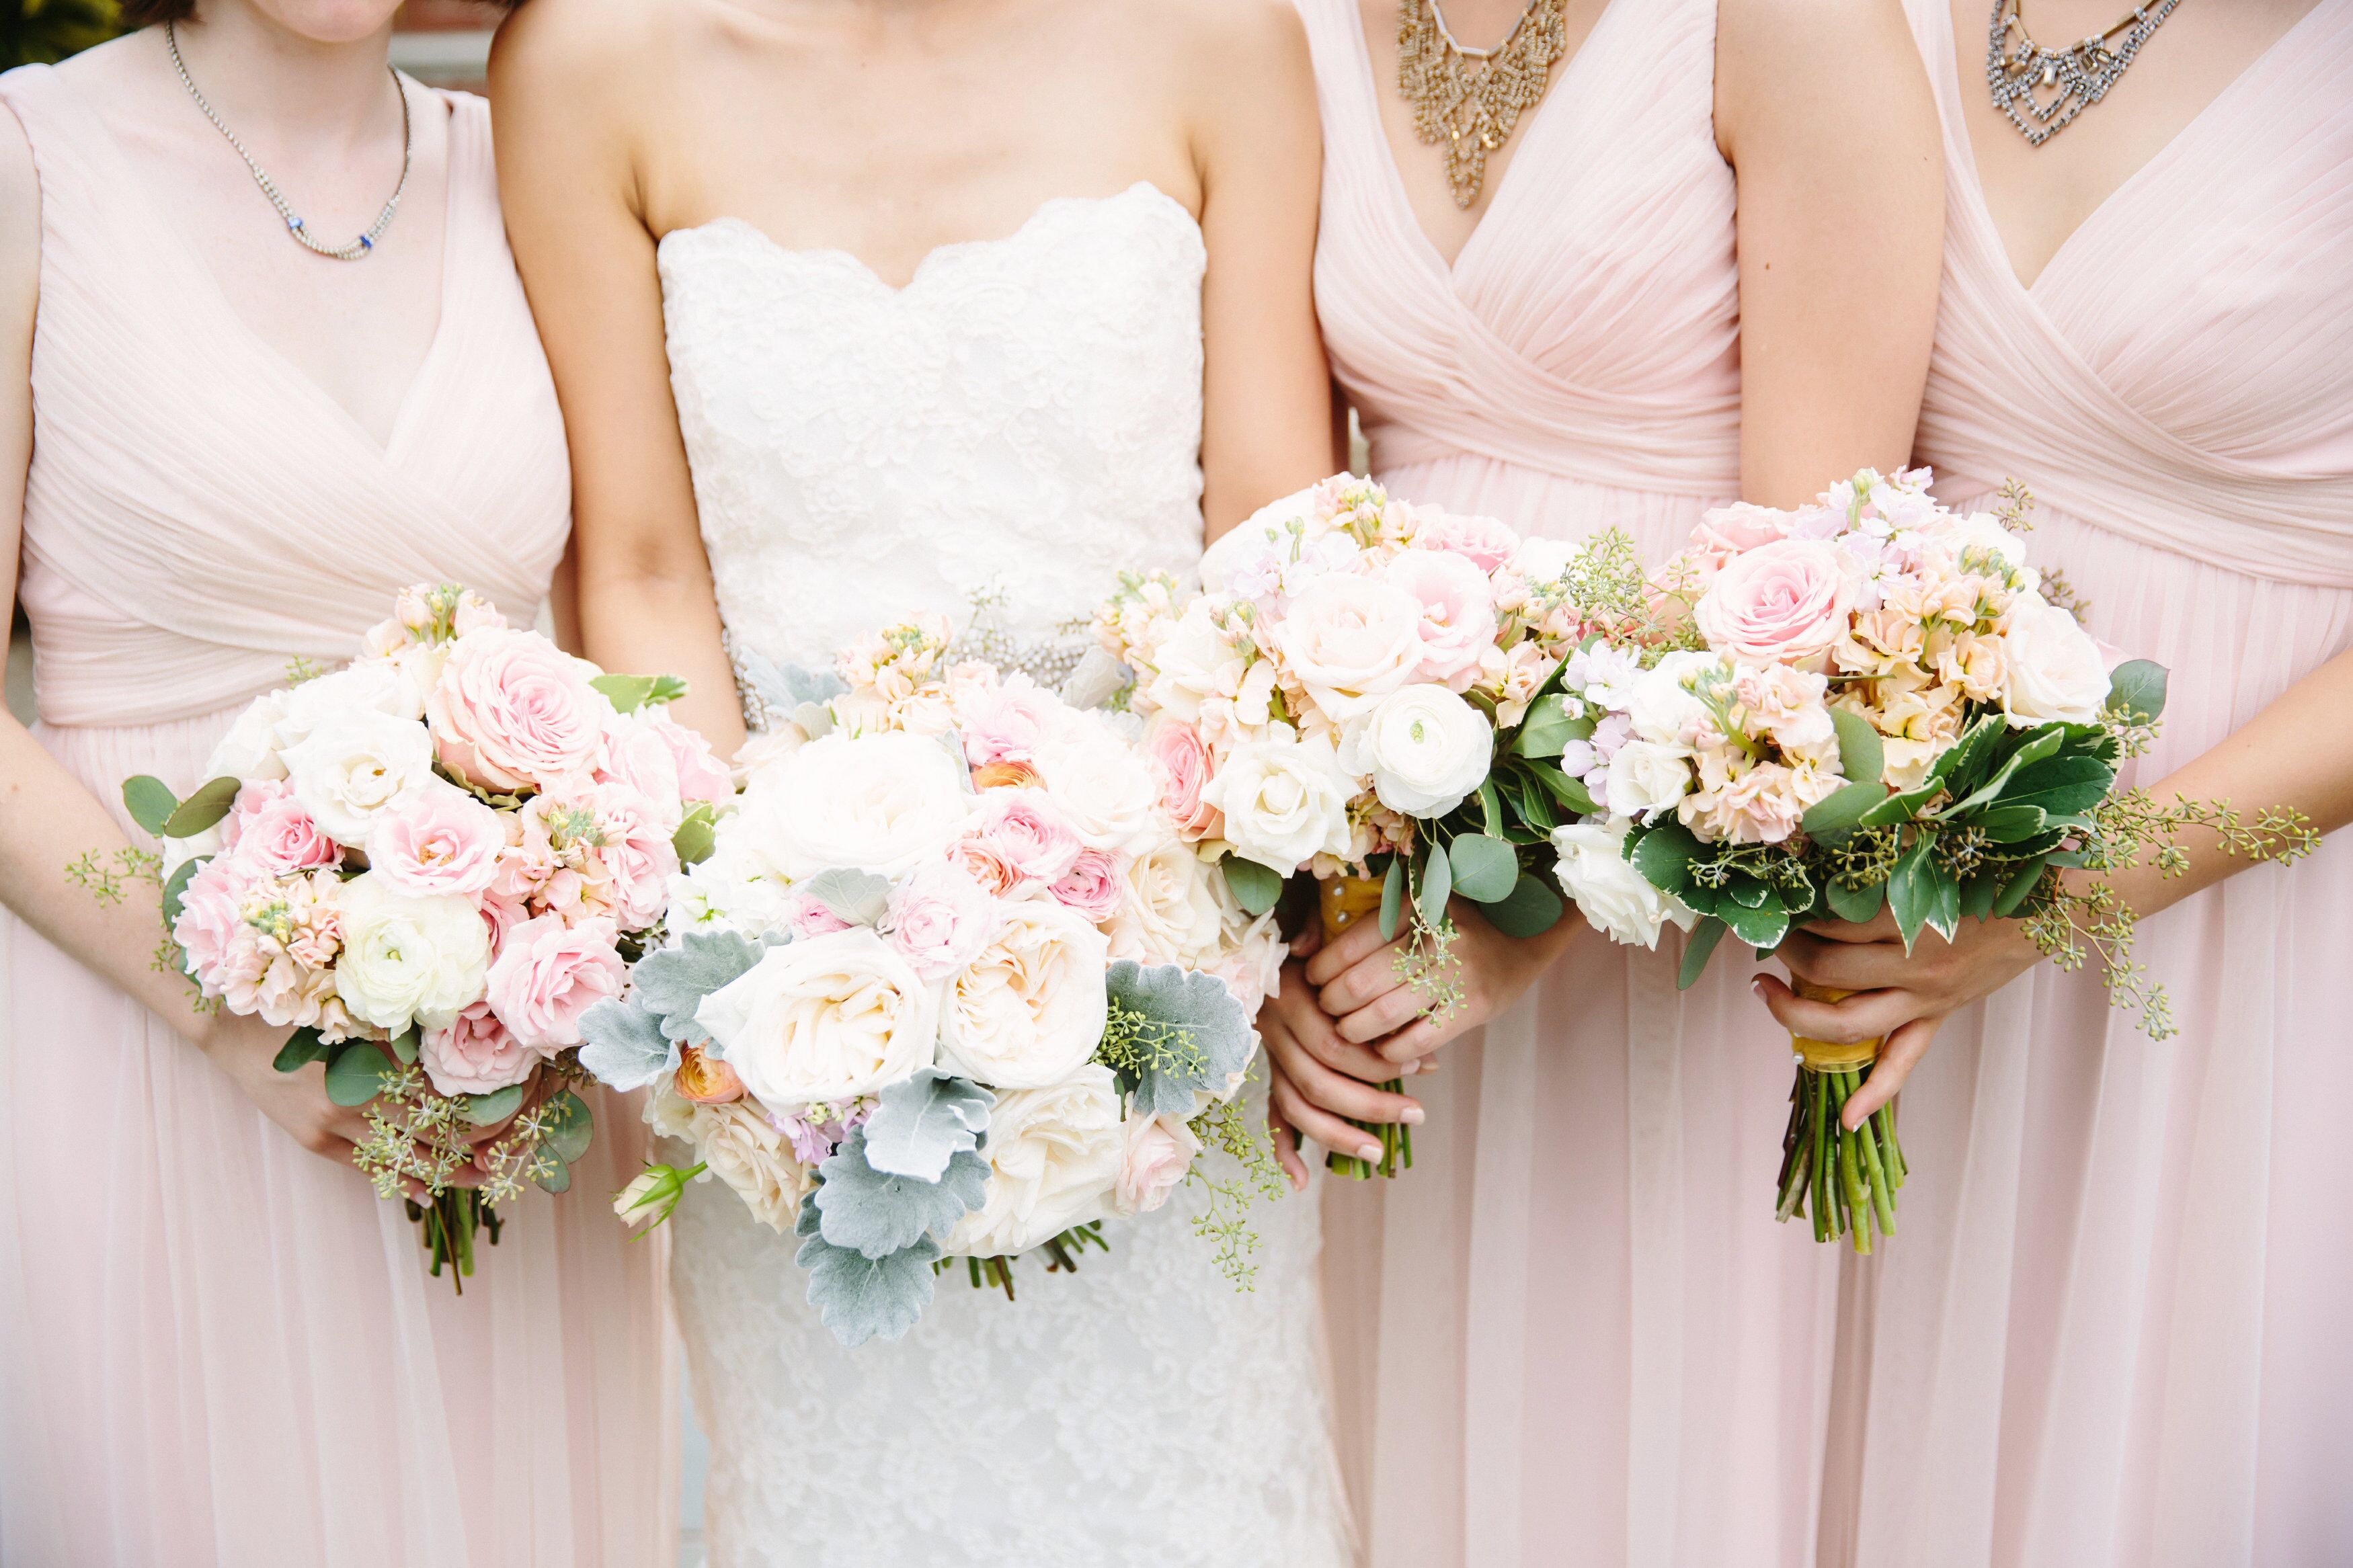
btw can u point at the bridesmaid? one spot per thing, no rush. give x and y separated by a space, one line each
1702 268
2112 1331
217 1346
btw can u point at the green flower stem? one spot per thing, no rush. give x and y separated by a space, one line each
1882 1201
1397 1147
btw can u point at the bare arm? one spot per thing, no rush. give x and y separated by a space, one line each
566 79
1823 107
1266 426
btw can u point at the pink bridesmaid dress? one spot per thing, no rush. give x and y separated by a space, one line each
2113 1330
217 1350
1573 1333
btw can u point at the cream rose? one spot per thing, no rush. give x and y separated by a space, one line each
249 752
884 803
1424 748
1167 912
2056 671
1054 1157
354 765
1156 1151
1616 899
1647 778
1193 664
1285 800
741 1149
824 1019
1351 641
409 959
1107 791
1030 1009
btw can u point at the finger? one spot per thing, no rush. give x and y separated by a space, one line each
1410 1047
1866 1015
1844 965
1380 1018
1357 1061
1879 927
1903 1050
1310 938
1329 1130
1351 947
1286 1147
1342 1095
1363 982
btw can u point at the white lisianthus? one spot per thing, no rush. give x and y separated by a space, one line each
1646 779
1168 910
2056 671
824 1019
1030 1009
1054 1156
1193 664
1660 706
1285 800
1107 791
884 803
1424 748
409 959
1618 900
1351 640
354 764
249 752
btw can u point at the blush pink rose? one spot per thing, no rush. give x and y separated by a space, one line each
210 928
438 840
1487 543
663 761
939 919
1029 833
512 712
270 829
812 917
1458 612
1155 1154
1094 885
1179 757
1009 724
1783 603
636 852
548 973
700 775
476 1054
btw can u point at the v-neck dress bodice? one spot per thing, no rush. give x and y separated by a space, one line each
216 1349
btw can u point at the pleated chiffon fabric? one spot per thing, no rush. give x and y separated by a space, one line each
2113 1330
217 1350
1573 1333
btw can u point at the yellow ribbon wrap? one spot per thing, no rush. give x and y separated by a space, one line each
1822 1056
1345 900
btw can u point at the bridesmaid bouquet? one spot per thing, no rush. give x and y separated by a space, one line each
429 864
1873 702
952 983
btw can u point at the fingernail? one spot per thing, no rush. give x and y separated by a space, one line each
1368 1150
1412 1117
1409 1068
1757 988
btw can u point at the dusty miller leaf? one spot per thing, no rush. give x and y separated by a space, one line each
672 981
879 1213
624 1045
924 1121
1214 1025
861 1298
857 896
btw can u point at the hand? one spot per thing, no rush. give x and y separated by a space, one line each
1374 1007
1899 998
245 1048
1317 1081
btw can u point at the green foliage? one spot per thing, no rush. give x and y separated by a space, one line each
628 693
858 1297
109 880
150 802
922 1122
358 1073
490 1109
202 809
879 1213
1485 869
696 836
1532 907
1228 1128
42 32
671 981
301 1049
1254 887
1172 1033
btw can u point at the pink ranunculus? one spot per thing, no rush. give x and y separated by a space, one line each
1458 612
548 973
1010 724
1094 886
1181 759
987 864
512 712
939 919
1487 543
476 1054
270 830
1030 832
1783 603
438 840
812 917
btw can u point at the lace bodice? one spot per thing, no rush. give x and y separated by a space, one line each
1023 418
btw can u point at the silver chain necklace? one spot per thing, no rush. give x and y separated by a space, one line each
2075 78
361 247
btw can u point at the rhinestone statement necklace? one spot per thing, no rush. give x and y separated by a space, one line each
1468 100
357 249
2050 87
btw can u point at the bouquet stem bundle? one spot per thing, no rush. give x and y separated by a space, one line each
445 1224
1343 902
1845 1180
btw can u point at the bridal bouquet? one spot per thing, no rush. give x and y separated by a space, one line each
952 983
429 864
1368 689
1873 702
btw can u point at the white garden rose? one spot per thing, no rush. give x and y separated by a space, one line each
1108 793
1351 640
1646 779
1193 664
753 1159
249 752
1031 1008
1542 560
409 959
824 1019
1168 910
1617 900
2056 671
1424 748
354 764
372 685
1285 800
1660 708
884 803
1054 1160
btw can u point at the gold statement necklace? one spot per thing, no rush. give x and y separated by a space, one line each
1468 100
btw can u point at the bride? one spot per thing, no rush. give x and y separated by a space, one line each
861 306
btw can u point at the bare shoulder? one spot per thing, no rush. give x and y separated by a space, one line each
1243 62
1757 37
590 56
1775 57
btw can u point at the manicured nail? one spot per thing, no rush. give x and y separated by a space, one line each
1412 1117
1409 1068
1757 988
1368 1150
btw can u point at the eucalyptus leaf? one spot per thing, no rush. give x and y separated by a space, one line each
1485 869
176 888
861 1298
552 1174
2137 690
1834 815
920 1123
490 1109
879 1213
1437 883
1859 905
301 1049
624 1045
1545 731
150 802
627 693
1910 890
1254 887
1392 898
2014 892
697 835
202 809
1532 907
1862 757
407 1045
358 1074
1697 949
858 897
570 1126
1214 1025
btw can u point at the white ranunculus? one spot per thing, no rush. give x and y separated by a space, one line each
2056 671
249 752
1646 779
1351 640
372 685
1108 793
1285 800
1031 1008
1618 900
882 803
733 888
1424 748
1054 1159
1660 708
1193 664
1542 560
354 764
824 1019
409 959
1168 910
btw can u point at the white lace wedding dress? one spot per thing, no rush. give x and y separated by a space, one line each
1023 418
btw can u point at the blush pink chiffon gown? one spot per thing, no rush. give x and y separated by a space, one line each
217 1350
2114 1328
1573 1333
